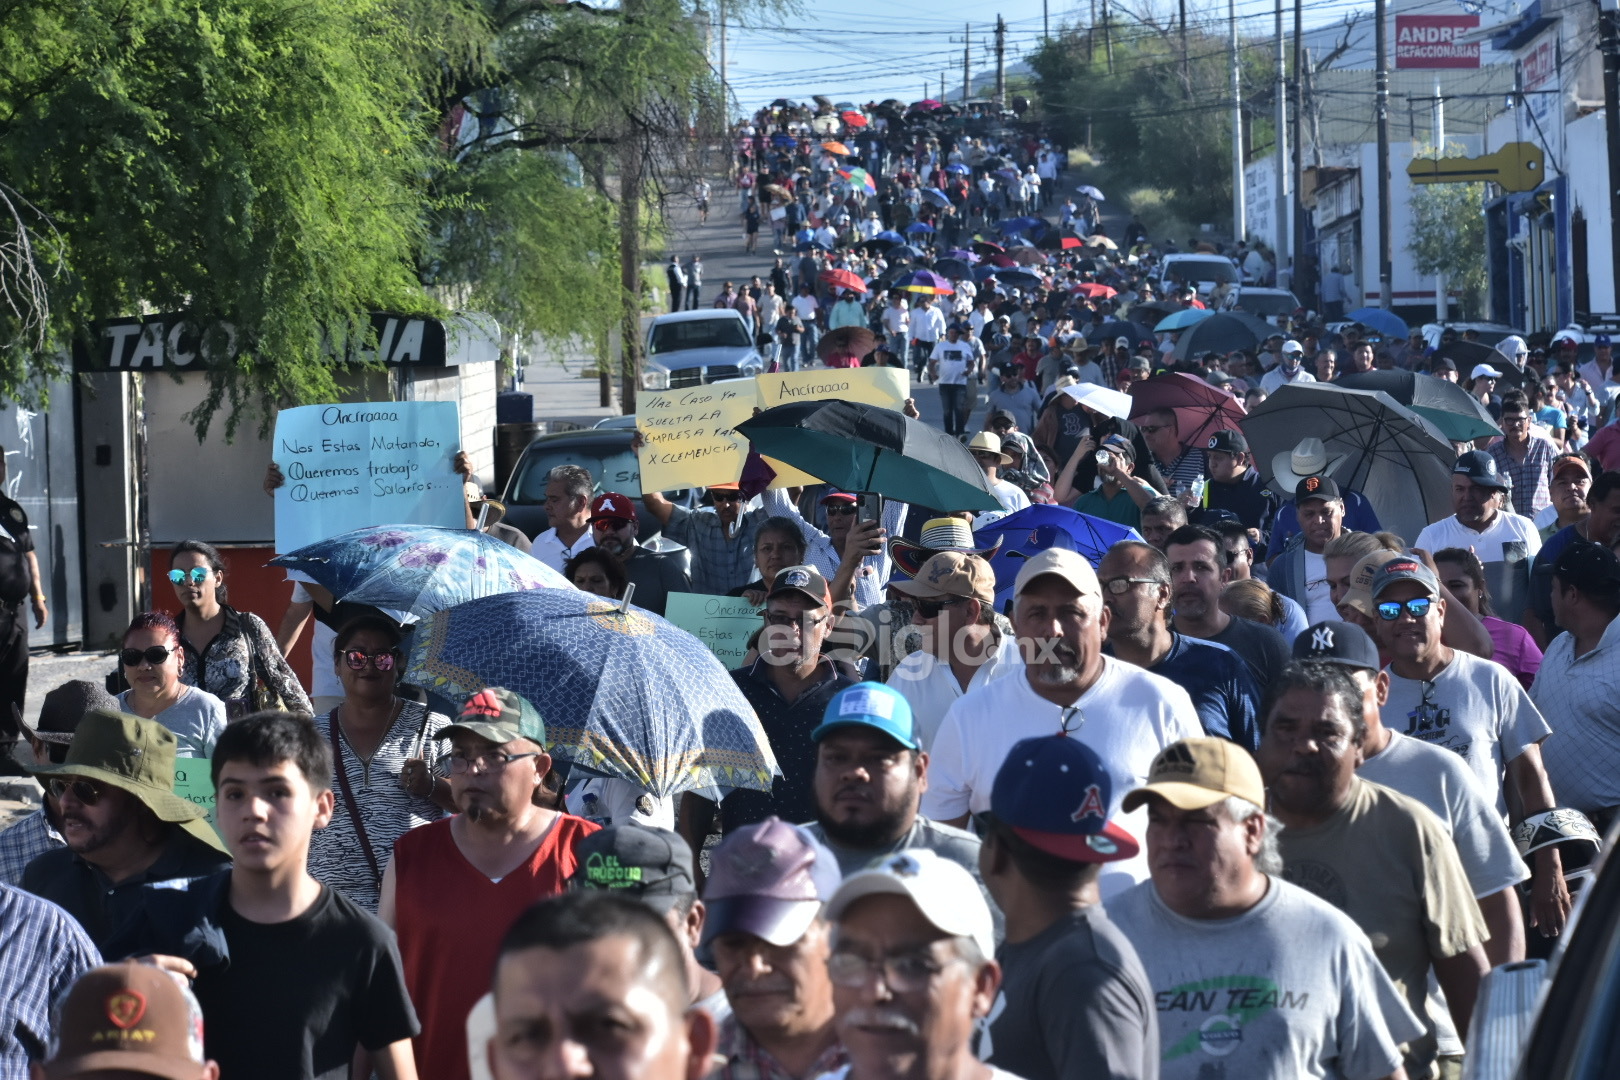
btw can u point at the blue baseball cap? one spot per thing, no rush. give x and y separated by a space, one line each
1054 793
870 705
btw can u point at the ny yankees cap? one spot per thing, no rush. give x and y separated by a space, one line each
944 892
1054 792
1338 643
1197 773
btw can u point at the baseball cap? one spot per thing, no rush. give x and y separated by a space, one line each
1218 378
944 892
610 505
1361 576
1196 773
839 497
1316 487
1484 370
1139 363
1228 442
1564 463
1122 343
1480 467
653 865
1071 566
1338 643
1001 414
1589 567
1292 347
951 573
1403 569
1054 792
1121 445
1600 340
870 705
1444 363
804 580
128 1017
768 879
499 715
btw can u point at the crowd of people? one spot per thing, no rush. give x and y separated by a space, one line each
1261 789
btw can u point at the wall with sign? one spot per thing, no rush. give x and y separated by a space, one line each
1436 41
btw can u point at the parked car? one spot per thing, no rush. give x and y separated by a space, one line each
690 348
605 453
1202 271
1272 305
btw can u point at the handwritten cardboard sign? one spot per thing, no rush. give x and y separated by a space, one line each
689 437
352 466
723 623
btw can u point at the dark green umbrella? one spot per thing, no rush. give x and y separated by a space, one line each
1457 413
858 447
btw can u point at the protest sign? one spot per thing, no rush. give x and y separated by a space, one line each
689 437
723 623
194 782
352 466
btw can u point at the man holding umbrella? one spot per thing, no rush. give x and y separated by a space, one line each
847 312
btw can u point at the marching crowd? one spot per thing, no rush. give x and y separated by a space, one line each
1260 790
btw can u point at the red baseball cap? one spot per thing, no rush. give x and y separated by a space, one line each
839 496
612 505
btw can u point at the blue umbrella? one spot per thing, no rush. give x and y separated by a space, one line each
622 692
1385 322
937 197
918 228
902 251
959 169
1033 225
811 245
1182 319
418 568
784 140
1032 530
1108 331
890 235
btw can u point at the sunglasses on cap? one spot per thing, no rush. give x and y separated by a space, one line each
382 661
88 792
153 655
1418 608
197 574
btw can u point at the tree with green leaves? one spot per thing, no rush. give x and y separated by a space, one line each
1448 237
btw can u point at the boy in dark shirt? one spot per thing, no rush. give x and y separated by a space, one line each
311 977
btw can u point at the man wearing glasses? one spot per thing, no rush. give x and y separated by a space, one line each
1473 707
455 885
655 574
1523 456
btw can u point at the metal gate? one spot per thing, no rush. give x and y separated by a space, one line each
42 474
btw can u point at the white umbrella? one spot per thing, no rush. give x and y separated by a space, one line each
1108 402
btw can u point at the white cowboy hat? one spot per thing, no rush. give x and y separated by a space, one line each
989 442
1309 458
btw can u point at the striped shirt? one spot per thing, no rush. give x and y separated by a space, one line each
719 563
1183 472
1583 758
745 1059
34 835
45 953
336 856
1531 493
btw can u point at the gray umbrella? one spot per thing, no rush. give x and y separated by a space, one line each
1396 458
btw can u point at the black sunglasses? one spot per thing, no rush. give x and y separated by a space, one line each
153 655
86 791
930 609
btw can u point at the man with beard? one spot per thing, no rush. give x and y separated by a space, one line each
1378 856
767 884
1198 572
496 857
870 775
913 921
1123 713
655 574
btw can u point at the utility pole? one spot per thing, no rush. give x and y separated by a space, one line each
1609 42
967 61
1186 71
1001 61
1386 270
1091 34
1240 225
725 101
1108 40
1440 300
1046 24
1280 196
1302 266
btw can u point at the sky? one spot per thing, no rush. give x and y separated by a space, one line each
868 50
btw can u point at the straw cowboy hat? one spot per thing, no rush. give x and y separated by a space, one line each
938 534
988 442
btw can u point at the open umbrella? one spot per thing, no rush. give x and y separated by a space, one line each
891 236
1098 240
1201 409
853 119
1020 224
856 341
1009 175
926 103
1028 256
1106 333
418 568
954 269
1087 189
622 692
784 140
1002 260
958 169
985 247
904 252
1222 332
1095 290
837 148
1151 312
962 253
860 177
1180 320
1026 533
936 197
1384 322
919 228
925 281
1396 458
843 279
1057 240
866 448
825 125
811 245
1457 413
1468 355
1020 279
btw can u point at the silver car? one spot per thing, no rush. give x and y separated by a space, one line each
690 348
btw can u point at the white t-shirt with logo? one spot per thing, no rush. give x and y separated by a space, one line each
953 359
1288 989
1508 528
1127 716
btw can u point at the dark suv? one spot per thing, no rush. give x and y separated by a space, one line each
606 455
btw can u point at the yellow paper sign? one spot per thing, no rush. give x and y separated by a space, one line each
689 436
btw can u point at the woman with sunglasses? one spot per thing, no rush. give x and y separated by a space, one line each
1463 575
385 756
228 652
151 662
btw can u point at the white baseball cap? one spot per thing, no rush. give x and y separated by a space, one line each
1293 347
1485 370
1071 566
943 891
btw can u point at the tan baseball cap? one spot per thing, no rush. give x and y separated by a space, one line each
951 573
1071 566
1361 579
1195 773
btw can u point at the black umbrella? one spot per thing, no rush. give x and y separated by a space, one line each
1468 355
1018 279
1108 332
1456 412
866 448
1151 312
955 269
1219 333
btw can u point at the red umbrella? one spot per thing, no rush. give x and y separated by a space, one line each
1002 260
1201 409
843 279
1095 289
853 119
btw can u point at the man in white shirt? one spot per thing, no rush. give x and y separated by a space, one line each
807 307
961 650
897 325
1125 714
927 327
1289 369
1478 493
986 449
568 509
951 364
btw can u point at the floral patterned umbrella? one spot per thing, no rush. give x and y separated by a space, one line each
418 568
622 692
